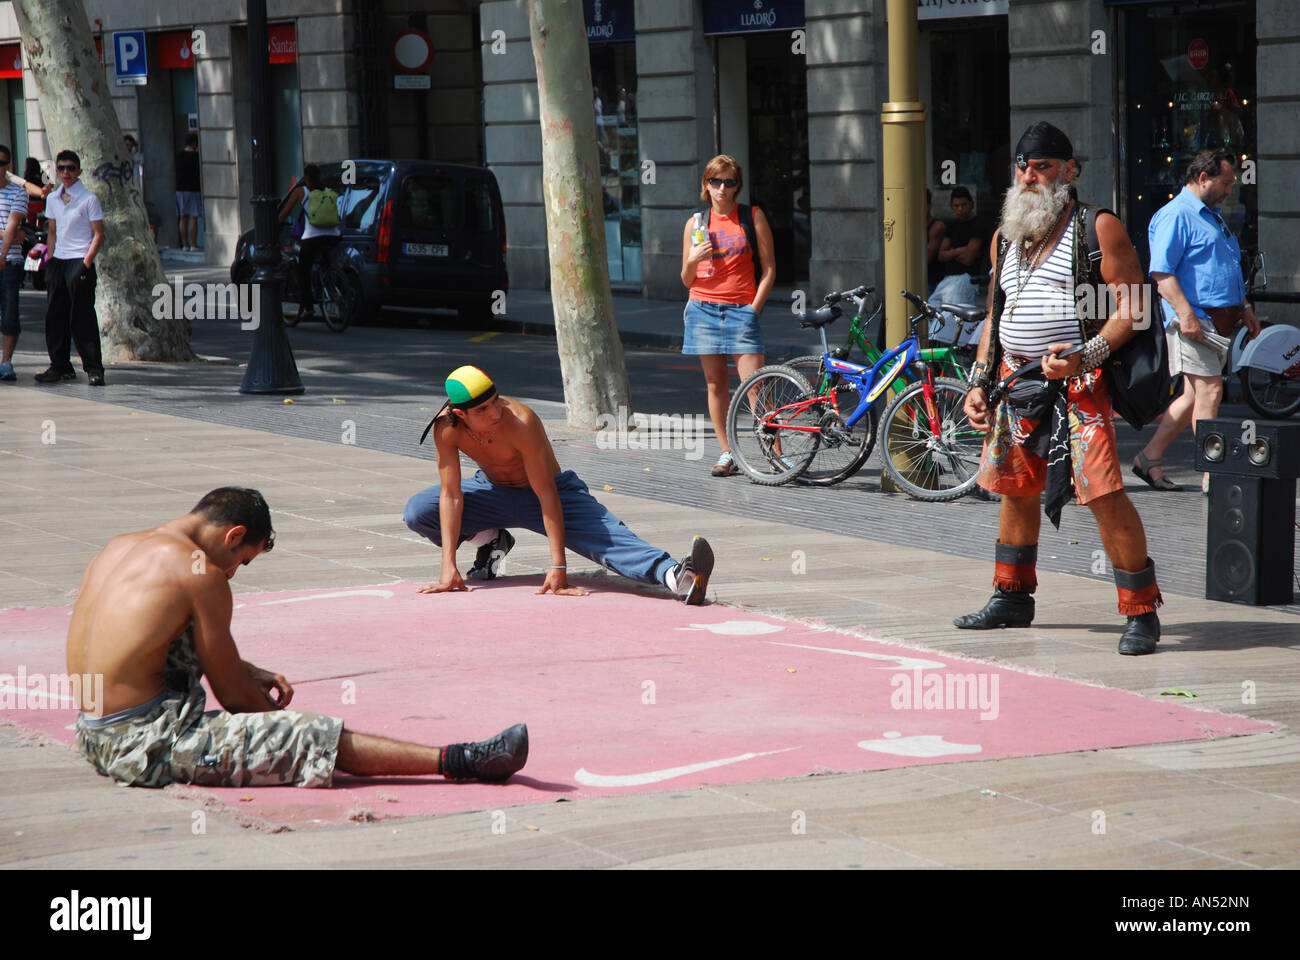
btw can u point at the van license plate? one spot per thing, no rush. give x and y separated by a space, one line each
425 249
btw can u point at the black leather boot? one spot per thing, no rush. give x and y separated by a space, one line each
1006 608
1141 635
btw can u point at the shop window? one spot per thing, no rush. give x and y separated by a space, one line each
1189 85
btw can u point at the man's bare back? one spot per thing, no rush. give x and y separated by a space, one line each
138 595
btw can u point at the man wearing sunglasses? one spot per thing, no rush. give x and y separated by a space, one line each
1196 264
76 234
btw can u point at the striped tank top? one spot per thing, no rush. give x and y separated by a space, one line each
1044 311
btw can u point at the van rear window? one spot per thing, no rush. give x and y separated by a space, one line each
358 199
431 203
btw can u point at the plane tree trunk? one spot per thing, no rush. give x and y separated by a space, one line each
591 354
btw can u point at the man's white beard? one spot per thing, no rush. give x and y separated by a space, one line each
1029 214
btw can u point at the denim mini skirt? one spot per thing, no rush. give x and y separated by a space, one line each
721 328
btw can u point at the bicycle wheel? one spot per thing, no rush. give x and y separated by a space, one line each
1270 394
842 452
763 425
929 459
342 292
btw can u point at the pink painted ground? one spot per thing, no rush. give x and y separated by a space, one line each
621 693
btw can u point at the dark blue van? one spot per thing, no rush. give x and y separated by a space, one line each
415 233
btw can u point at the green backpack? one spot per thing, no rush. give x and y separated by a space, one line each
323 208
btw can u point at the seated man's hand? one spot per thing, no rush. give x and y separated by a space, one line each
275 688
558 584
450 582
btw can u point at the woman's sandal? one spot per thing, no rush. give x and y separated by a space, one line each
1142 467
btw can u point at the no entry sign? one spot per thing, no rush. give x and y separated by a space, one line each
1198 54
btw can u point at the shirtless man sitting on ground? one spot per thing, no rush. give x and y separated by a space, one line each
520 485
153 616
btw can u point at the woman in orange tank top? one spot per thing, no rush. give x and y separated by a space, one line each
721 316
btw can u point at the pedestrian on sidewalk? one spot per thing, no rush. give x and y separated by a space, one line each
189 186
729 273
1196 264
13 211
520 485
76 223
1057 434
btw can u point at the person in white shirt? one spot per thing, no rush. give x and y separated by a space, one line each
76 233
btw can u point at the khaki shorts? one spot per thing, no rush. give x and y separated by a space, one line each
176 741
1189 356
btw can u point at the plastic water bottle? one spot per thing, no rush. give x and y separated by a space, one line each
704 268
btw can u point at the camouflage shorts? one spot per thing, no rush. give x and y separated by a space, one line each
177 741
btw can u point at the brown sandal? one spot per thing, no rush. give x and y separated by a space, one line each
1142 467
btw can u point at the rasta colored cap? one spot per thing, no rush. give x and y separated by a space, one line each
468 386
1042 141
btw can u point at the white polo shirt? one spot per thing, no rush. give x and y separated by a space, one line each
73 215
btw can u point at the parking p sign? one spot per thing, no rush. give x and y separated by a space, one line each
132 59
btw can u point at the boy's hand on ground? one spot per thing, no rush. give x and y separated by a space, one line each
557 584
447 585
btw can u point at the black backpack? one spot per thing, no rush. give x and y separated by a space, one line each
745 214
1137 374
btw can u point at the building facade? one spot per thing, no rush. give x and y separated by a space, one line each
792 88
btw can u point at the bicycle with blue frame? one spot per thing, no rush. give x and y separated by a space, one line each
777 421
835 462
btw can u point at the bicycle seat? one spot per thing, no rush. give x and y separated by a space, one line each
821 317
964 313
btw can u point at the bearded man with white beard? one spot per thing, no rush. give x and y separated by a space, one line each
1055 425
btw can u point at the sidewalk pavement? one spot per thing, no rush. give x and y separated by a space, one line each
119 464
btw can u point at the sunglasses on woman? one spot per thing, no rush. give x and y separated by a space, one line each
730 183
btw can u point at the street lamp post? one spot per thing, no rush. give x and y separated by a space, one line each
271 368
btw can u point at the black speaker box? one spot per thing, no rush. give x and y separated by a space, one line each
1250 540
1225 445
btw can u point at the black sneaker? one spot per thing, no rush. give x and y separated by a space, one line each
491 761
54 376
691 576
95 379
487 562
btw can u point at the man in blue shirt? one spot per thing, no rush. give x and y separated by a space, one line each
1196 264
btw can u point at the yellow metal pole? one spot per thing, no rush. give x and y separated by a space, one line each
903 179
903 171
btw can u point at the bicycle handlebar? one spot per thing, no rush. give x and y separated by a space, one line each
858 292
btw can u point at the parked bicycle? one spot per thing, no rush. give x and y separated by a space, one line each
831 463
1269 365
778 422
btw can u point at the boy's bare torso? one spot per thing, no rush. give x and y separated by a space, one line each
500 451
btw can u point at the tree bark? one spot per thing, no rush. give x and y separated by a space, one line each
79 116
591 354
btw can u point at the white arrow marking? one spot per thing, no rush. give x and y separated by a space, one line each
655 776
386 594
904 663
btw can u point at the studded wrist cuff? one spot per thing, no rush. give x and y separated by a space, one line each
1094 354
